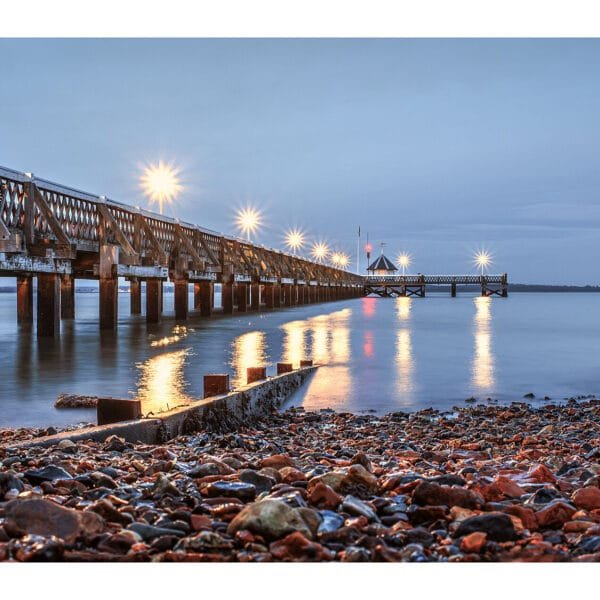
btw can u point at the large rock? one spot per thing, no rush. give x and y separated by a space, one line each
272 519
433 494
356 481
555 514
587 498
42 517
498 527
48 473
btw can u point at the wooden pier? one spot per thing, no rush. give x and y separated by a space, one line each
415 285
60 234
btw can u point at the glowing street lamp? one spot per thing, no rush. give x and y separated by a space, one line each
344 260
336 258
248 220
160 183
294 239
319 251
482 260
404 261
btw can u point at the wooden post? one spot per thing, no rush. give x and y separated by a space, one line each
216 384
115 410
268 292
453 289
284 368
24 299
108 306
181 299
505 285
48 305
255 296
204 292
241 296
227 297
254 374
135 296
67 297
276 295
153 304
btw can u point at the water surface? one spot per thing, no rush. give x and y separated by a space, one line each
378 354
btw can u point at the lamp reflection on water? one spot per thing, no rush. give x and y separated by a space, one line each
404 353
249 350
161 383
294 349
482 368
328 344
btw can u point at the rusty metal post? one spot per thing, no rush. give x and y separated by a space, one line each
48 305
67 297
284 368
153 303
25 299
135 296
181 299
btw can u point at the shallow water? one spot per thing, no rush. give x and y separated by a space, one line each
377 354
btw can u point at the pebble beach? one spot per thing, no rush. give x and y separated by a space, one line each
478 484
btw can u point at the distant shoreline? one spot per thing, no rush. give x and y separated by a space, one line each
512 288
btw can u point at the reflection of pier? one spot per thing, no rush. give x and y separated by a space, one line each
415 285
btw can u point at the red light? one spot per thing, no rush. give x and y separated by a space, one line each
368 247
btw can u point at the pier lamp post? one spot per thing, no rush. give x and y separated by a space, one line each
319 251
482 260
161 184
294 240
248 220
404 261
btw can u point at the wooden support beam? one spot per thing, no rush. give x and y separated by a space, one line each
49 217
255 296
135 296
120 237
158 253
24 299
204 293
153 300
189 247
227 290
181 299
48 305
67 297
211 257
241 291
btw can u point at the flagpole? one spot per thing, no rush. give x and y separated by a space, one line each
358 253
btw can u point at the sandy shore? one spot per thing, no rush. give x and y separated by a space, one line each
487 483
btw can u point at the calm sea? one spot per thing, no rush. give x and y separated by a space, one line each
377 354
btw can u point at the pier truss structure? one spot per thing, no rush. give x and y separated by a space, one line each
59 234
415 285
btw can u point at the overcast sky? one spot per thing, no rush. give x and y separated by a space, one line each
438 147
